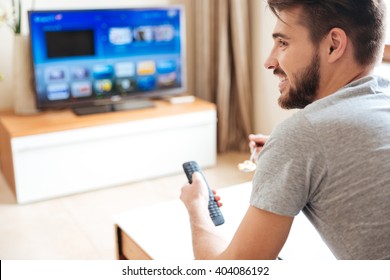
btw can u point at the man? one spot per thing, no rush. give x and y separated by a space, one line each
332 158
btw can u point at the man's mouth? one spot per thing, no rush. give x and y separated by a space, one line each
282 78
280 73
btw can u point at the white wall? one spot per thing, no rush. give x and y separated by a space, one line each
6 45
6 36
267 112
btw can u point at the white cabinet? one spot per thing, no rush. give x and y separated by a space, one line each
57 153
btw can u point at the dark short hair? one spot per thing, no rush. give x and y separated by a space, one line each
362 20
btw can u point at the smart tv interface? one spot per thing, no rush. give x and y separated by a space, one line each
81 56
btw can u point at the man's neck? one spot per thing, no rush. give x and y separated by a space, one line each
341 78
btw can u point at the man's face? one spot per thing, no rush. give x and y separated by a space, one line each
295 60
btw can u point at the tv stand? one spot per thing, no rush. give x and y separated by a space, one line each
58 153
120 106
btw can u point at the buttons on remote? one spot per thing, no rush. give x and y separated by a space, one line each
215 213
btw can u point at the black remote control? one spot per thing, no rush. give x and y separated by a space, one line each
215 213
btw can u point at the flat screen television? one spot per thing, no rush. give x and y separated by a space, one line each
107 59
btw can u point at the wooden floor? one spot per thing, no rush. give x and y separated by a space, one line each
81 226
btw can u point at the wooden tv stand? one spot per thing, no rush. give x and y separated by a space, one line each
57 153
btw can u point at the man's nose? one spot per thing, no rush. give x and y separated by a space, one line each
271 63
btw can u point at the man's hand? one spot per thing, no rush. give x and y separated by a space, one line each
206 239
196 195
257 141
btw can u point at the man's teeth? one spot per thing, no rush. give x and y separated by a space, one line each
282 79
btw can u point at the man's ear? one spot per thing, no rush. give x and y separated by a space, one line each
336 44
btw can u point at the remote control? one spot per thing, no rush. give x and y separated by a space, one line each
215 213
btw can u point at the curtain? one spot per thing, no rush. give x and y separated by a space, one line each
222 67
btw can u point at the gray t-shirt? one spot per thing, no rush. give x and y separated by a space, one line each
332 161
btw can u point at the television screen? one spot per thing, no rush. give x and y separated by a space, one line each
107 56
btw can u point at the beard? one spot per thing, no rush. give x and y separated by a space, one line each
305 92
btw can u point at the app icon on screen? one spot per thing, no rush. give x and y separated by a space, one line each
166 80
166 66
164 33
125 85
55 74
79 73
143 34
81 89
120 35
103 86
103 72
57 91
147 67
146 83
124 69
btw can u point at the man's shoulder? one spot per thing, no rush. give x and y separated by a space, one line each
327 112
351 97
298 127
365 86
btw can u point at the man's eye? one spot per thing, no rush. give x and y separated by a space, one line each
282 43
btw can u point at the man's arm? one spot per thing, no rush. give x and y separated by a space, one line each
261 234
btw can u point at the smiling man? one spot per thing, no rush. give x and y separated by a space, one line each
331 159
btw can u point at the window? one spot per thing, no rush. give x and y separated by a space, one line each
386 56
